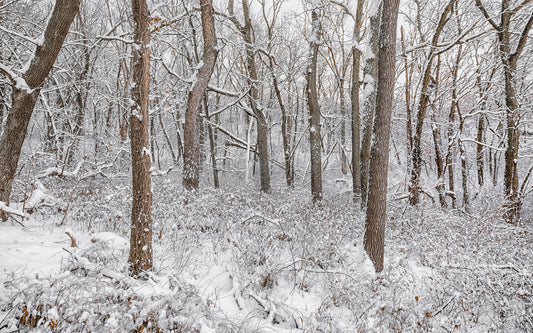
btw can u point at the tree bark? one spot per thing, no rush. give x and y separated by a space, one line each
191 147
439 163
285 129
3 104
25 91
376 212
314 111
449 157
212 145
140 256
354 96
369 104
343 159
480 158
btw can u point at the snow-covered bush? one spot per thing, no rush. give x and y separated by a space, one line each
240 261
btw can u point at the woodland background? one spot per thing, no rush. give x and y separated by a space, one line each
252 248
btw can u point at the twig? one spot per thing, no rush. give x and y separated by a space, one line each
443 307
72 239
19 222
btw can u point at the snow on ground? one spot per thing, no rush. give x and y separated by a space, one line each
241 261
31 250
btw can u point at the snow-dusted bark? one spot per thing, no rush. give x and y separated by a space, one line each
314 110
191 152
140 256
376 212
369 96
354 95
26 88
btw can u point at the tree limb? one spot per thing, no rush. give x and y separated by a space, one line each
9 73
522 41
26 38
486 14
520 6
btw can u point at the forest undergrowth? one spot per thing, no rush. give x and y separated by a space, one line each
240 261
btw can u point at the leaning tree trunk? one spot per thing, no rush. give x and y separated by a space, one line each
314 112
376 212
25 91
140 257
191 151
285 128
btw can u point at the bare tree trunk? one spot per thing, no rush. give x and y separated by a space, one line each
464 170
439 163
409 125
480 160
212 145
509 60
178 137
262 126
480 137
343 159
370 88
285 131
354 96
153 143
81 92
376 212
167 139
25 91
191 151
121 106
3 104
441 188
294 132
140 257
3 94
416 158
449 157
314 111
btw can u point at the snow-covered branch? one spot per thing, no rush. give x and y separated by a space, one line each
116 38
5 208
9 73
14 33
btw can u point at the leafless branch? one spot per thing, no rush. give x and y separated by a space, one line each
14 33
523 39
486 14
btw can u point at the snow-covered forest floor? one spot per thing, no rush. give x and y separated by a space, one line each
240 261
